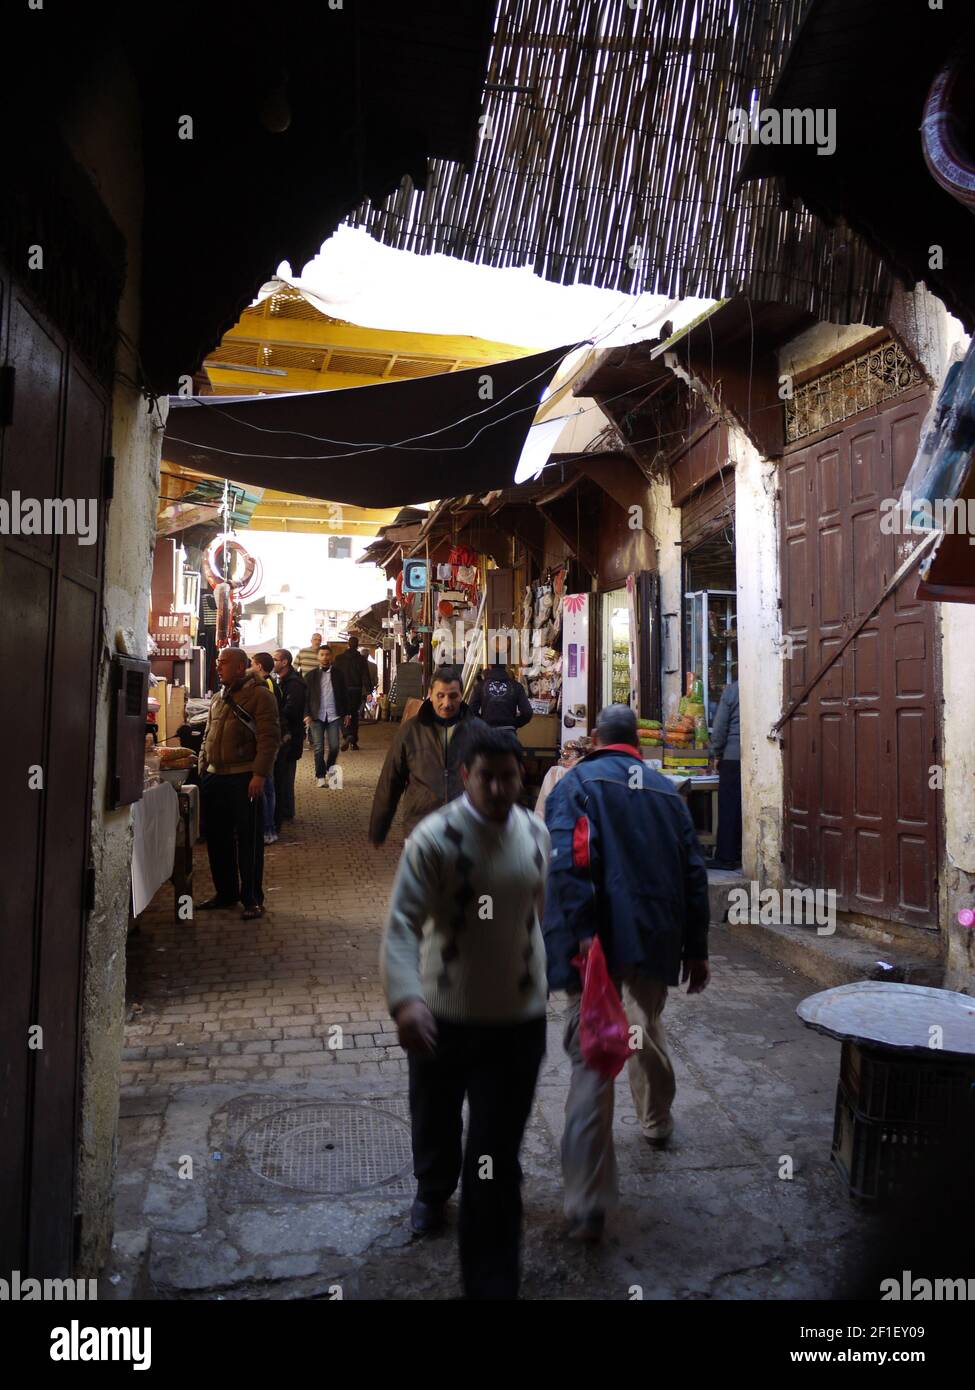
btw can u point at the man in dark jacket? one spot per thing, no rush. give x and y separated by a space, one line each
726 743
423 764
500 700
354 670
327 712
294 695
625 867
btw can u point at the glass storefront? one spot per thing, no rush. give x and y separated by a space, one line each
615 647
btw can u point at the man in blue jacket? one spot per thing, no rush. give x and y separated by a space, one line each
625 867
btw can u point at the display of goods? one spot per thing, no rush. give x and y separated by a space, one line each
693 709
174 757
649 723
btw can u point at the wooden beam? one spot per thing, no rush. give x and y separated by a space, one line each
348 337
249 383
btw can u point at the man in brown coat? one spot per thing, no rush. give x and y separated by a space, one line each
422 767
238 751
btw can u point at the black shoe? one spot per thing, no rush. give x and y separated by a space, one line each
587 1230
217 904
427 1217
249 913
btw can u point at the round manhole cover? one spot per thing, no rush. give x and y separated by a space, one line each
327 1148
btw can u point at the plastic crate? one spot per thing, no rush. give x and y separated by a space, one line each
882 1086
880 1159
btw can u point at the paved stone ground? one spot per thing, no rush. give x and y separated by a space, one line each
229 1027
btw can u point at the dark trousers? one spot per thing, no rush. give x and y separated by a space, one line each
355 704
235 837
728 844
284 788
495 1066
318 731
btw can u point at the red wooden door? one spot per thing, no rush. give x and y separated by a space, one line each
860 814
52 445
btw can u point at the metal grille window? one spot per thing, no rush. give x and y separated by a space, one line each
864 381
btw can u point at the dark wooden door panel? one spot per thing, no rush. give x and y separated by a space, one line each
50 592
859 814
66 833
27 609
31 448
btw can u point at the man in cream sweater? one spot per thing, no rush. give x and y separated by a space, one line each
463 966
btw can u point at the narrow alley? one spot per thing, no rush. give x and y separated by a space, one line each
301 1178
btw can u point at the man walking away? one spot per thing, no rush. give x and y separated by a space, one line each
294 695
237 755
328 710
355 672
307 658
422 766
463 969
726 744
500 700
263 665
625 867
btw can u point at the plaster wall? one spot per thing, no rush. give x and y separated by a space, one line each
760 672
102 131
664 523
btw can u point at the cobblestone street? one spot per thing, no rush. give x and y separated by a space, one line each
230 1024
226 1000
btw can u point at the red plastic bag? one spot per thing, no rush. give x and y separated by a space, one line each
604 1034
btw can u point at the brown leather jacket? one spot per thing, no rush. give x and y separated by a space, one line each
422 769
229 744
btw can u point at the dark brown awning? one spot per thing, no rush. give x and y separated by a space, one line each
370 446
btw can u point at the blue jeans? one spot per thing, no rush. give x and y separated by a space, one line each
318 731
269 800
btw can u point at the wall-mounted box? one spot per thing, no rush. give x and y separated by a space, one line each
130 685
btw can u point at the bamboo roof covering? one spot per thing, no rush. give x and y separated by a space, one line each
605 158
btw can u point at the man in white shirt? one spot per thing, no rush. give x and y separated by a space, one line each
328 710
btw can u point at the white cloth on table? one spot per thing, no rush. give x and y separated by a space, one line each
154 823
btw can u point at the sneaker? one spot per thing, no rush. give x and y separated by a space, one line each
270 837
320 782
345 745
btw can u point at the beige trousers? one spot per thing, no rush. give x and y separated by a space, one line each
588 1158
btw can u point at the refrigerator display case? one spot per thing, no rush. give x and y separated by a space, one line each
711 642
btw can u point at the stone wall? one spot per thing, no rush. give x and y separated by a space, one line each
102 131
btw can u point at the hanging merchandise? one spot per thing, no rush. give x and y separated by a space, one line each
463 570
234 575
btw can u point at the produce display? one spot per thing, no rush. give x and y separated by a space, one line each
651 733
685 735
